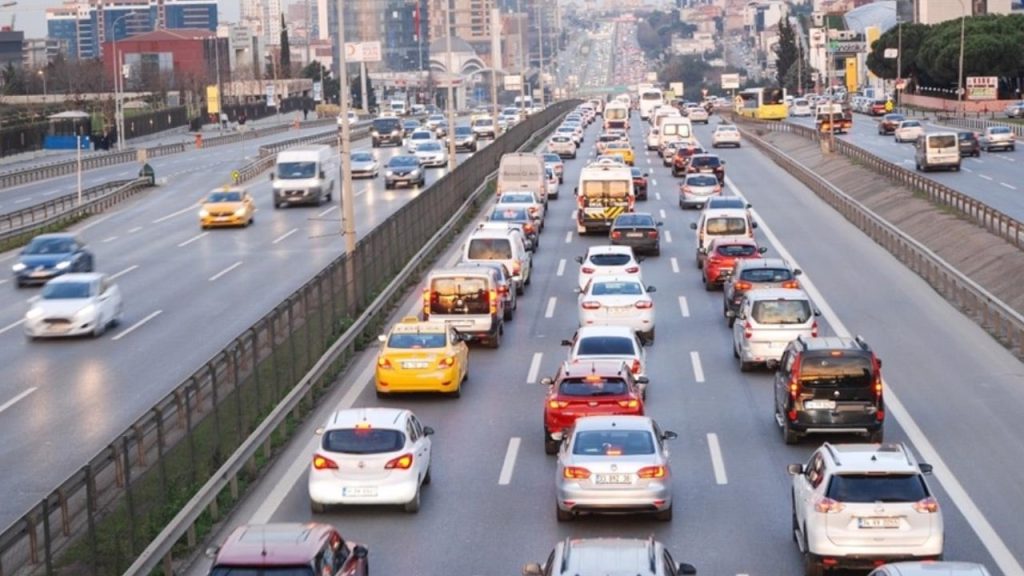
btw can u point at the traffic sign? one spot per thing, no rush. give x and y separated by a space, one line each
888 105
891 53
513 82
236 176
271 101
362 52
847 47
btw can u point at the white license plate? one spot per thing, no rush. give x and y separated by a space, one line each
461 324
621 311
40 274
415 364
612 479
634 234
878 523
819 404
359 491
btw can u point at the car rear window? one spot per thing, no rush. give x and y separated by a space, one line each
507 213
593 386
458 295
942 141
862 488
613 443
489 249
261 571
635 220
726 226
705 161
416 341
701 180
609 259
766 275
825 370
616 289
363 440
737 250
605 345
999 130
781 311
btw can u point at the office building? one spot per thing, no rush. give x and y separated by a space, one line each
11 48
172 58
401 27
470 20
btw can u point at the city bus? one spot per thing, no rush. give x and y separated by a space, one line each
762 103
650 98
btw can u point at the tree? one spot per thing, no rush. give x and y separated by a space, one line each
906 36
792 79
648 39
690 70
357 92
786 52
286 51
317 72
11 80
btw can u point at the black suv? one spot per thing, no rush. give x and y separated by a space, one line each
590 556
386 131
969 144
829 384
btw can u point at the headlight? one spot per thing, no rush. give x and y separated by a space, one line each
415 172
18 267
89 310
240 211
374 132
34 313
389 173
203 213
62 265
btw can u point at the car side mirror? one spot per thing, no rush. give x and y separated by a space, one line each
652 289
686 569
817 312
212 551
925 468
428 431
547 381
795 469
319 431
532 569
566 342
753 224
579 259
643 380
659 224
730 313
576 191
797 272
762 249
382 338
749 205
693 225
669 435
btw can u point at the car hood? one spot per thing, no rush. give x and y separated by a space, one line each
222 206
62 308
47 260
363 165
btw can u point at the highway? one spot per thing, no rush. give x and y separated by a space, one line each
993 178
178 283
953 394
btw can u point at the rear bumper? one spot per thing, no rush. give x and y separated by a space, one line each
654 497
826 421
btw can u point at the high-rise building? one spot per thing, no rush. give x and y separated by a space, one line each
85 25
12 44
400 26
470 21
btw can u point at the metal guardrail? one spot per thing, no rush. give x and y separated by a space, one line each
12 222
100 518
1002 321
992 220
979 124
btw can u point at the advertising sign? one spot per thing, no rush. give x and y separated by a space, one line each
212 100
271 101
730 81
362 52
318 91
676 87
982 87
513 82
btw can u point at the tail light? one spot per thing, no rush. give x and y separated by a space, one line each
588 270
629 403
516 268
426 302
652 233
528 228
790 284
632 269
446 362
616 234
827 505
384 363
636 367
928 505
814 329
503 289
533 211
742 286
324 463
492 298
649 472
403 462
557 404
748 330
590 305
644 304
575 473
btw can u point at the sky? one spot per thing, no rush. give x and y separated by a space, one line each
31 15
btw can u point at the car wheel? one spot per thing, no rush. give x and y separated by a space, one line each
550 446
735 351
876 437
495 341
317 507
426 477
563 515
1012 148
664 515
507 314
387 185
101 327
413 506
789 436
648 336
746 366
118 316
708 286
811 566
383 395
457 393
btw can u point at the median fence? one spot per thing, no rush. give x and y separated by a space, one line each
1003 322
184 448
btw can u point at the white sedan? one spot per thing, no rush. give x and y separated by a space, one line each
432 153
618 301
610 343
531 200
725 135
73 305
908 131
607 261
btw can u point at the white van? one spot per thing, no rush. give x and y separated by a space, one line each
937 150
398 107
767 321
469 299
488 244
304 175
721 222
676 129
522 171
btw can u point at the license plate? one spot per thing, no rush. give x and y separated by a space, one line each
415 364
634 234
612 479
872 523
621 311
460 324
819 404
40 274
359 491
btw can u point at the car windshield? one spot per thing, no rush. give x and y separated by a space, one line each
509 214
704 162
867 489
363 440
702 181
403 162
422 136
827 370
386 124
50 246
726 129
261 571
429 147
552 158
417 340
362 157
965 135
463 131
644 220
616 289
458 295
999 130
613 443
224 197
726 202
781 311
610 259
296 170
516 198
725 225
489 249
911 124
66 290
766 275
605 345
593 385
483 122
410 124
737 250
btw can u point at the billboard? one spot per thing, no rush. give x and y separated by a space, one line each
851 74
212 100
362 52
982 87
730 81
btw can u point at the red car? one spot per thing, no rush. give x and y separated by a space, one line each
681 160
588 388
639 183
721 257
878 108
293 548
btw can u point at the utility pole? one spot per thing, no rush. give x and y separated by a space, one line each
899 57
495 61
540 62
960 75
220 88
450 105
362 89
348 218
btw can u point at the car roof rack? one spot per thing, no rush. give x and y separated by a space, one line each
831 450
862 343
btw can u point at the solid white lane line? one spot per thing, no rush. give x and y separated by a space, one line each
531 374
550 312
134 230
668 236
225 271
661 213
988 536
716 459
509 465
675 265
12 326
285 235
16 399
561 267
110 239
568 237
327 211
684 307
989 178
1010 186
698 370
4 281
173 214
192 239
123 272
657 195
25 199
135 326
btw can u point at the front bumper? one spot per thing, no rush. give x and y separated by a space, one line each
39 328
297 197
222 221
31 277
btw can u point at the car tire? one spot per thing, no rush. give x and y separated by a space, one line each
317 507
811 566
746 366
383 395
413 506
708 286
507 314
387 186
563 515
426 477
100 329
648 336
664 515
550 446
495 341
876 437
789 436
118 317
457 393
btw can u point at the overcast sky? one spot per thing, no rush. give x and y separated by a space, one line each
32 15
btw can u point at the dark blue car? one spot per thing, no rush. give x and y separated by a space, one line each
50 255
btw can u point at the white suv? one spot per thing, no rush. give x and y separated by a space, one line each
857 504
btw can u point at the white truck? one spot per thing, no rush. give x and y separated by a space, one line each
605 191
304 175
522 171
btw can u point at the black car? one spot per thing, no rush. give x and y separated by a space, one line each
639 230
404 169
410 126
386 131
707 164
969 144
50 255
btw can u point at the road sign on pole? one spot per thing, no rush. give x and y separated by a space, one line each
982 87
891 53
362 52
730 81
318 91
513 82
271 101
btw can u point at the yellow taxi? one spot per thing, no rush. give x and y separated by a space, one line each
622 149
227 206
422 356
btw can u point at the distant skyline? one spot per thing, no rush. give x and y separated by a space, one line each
31 15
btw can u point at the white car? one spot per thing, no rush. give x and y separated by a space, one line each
607 261
618 301
767 320
653 139
352 118
908 131
698 114
531 200
930 569
370 456
610 343
552 181
725 135
801 107
432 153
563 145
74 304
418 137
434 121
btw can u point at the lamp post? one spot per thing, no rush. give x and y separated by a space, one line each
960 74
348 219
449 106
118 83
540 60
42 74
899 57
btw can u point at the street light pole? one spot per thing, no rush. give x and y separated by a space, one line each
899 58
118 84
540 62
348 219
960 75
42 74
450 107
495 62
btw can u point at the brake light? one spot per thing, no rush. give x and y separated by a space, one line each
590 305
575 473
324 463
503 289
649 472
588 270
492 296
629 403
616 234
528 228
403 462
790 284
644 304
652 233
826 505
384 363
635 368
748 330
632 269
556 404
928 505
446 362
426 302
814 329
743 286
516 267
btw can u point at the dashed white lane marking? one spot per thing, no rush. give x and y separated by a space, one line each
966 169
173 214
657 195
550 311
698 370
654 182
661 212
192 239
716 459
561 267
684 307
509 465
285 235
531 374
1010 186
327 211
675 265
986 177
123 272
225 271
12 326
668 236
136 326
568 237
23 200
17 399
110 239
134 230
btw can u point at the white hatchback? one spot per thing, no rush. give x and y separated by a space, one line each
73 305
611 343
725 135
908 131
607 261
767 321
370 456
618 301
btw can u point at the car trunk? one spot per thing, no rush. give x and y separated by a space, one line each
888 520
616 307
611 473
841 382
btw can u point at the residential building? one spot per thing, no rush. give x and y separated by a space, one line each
935 11
11 45
172 58
470 20
263 18
39 52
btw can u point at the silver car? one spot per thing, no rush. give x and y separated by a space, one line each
364 165
614 464
696 189
930 569
997 137
432 153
